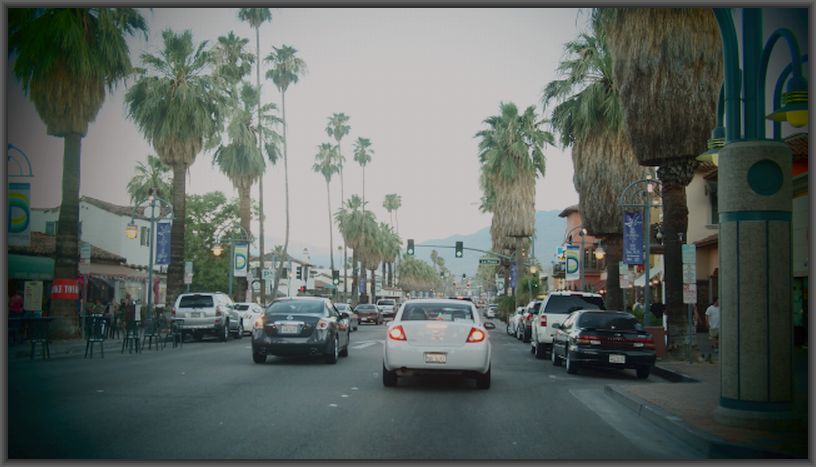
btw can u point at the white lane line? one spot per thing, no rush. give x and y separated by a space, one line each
344 395
354 388
332 405
364 345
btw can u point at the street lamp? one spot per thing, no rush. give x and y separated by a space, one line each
132 232
599 252
533 270
217 248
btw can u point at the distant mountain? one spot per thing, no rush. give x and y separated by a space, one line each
549 235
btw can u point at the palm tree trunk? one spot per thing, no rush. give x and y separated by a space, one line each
67 248
175 272
675 222
391 274
614 295
286 185
260 179
354 286
363 187
373 285
331 234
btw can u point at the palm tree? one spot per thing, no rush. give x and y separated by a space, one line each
668 70
337 128
351 218
233 63
391 203
362 155
327 164
371 254
178 107
511 154
65 59
256 17
588 118
155 177
416 274
390 248
286 70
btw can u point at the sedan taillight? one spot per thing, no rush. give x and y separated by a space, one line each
397 334
645 342
476 335
322 324
259 323
529 317
588 340
542 321
218 311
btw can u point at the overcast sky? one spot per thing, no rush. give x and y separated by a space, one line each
417 82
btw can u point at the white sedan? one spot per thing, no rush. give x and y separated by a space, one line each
437 336
249 313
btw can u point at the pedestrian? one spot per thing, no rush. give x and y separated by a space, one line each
637 309
712 314
656 314
16 304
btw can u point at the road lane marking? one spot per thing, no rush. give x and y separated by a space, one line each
344 395
354 388
332 405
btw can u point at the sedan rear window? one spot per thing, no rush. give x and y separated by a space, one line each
367 307
196 301
565 304
311 307
241 307
432 312
616 321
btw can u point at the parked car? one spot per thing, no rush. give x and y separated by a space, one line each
490 313
249 313
354 320
555 309
301 326
525 324
513 320
208 313
611 339
388 307
437 336
368 313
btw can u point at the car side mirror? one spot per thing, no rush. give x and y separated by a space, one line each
557 326
489 325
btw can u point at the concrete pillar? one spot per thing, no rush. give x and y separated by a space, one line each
756 330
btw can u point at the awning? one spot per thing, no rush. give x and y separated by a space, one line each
653 272
39 268
114 271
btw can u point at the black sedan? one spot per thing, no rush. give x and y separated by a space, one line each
612 339
301 326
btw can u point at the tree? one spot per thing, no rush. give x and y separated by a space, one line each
667 65
154 176
392 203
337 128
511 156
588 118
390 248
417 275
362 155
327 164
205 214
350 219
286 70
65 59
177 104
256 17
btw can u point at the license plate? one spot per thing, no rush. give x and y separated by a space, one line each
195 314
617 359
289 329
435 357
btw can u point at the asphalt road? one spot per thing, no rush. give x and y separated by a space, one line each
208 400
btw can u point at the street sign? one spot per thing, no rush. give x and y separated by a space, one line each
85 252
188 272
489 261
690 293
267 274
689 273
689 252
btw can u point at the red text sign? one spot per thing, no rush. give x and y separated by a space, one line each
65 289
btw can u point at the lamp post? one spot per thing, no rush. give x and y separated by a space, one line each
132 232
217 249
643 194
755 205
533 270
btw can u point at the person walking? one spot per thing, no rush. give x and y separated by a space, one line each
712 314
16 304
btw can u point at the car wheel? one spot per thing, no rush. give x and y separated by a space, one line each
540 351
224 335
483 380
344 351
572 368
389 377
507 329
334 352
258 357
643 372
555 360
240 332
525 336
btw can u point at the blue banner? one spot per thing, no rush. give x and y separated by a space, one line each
19 214
163 243
633 237
362 284
513 275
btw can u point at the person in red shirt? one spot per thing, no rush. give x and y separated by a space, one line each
16 304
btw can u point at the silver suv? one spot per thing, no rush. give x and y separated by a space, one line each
208 313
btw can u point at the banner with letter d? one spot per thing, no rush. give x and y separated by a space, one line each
240 260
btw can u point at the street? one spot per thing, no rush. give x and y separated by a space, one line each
208 400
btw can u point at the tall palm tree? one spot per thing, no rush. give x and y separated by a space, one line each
588 118
65 59
511 151
362 155
390 248
391 203
327 164
351 218
337 128
256 17
667 64
371 254
177 104
155 176
286 70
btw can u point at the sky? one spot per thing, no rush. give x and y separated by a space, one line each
417 82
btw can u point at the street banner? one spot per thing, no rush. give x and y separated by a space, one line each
188 272
690 293
163 243
513 275
633 237
362 285
84 252
19 214
65 289
573 272
33 296
240 261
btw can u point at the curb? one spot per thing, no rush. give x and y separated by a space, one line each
673 376
710 445
63 351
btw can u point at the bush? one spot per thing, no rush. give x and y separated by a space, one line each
507 305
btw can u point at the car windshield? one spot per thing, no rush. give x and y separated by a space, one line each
196 301
311 307
564 304
385 302
616 321
241 307
436 312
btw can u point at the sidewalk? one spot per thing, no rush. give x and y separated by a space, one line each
69 348
686 408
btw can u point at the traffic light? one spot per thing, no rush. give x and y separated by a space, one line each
410 251
459 249
335 277
299 272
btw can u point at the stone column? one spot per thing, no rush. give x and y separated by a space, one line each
756 330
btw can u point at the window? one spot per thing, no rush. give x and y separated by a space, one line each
564 304
312 307
51 228
144 237
436 312
615 321
714 211
196 301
